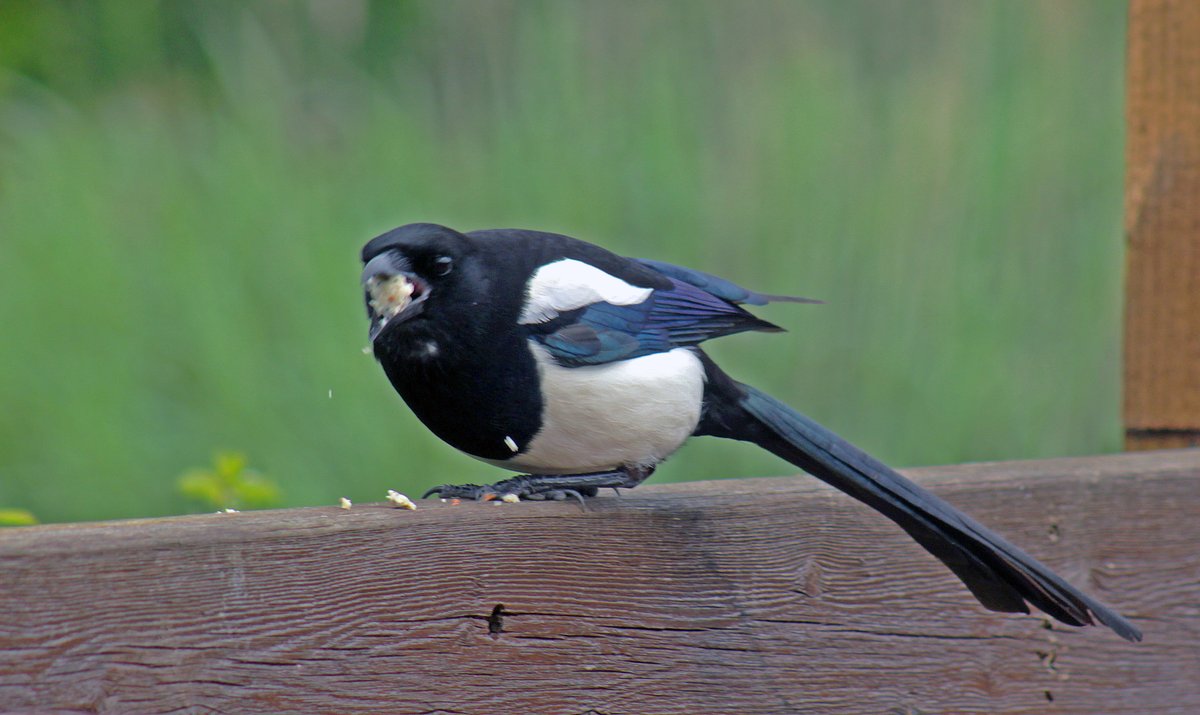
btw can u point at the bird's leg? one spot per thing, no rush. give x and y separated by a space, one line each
556 487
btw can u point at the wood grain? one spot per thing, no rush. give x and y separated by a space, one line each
1162 210
745 596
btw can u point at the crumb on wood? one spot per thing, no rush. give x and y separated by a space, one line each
399 500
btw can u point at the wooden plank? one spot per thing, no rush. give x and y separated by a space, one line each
1162 210
748 596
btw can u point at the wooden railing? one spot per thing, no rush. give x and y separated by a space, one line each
740 596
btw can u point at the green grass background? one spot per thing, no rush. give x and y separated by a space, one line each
184 187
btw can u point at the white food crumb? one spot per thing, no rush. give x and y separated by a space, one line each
345 503
227 510
331 394
367 350
399 500
511 444
510 498
390 296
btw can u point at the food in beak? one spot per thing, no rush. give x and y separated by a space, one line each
389 295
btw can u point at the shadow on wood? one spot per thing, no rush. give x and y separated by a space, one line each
747 596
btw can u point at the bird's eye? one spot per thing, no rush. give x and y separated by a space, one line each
443 265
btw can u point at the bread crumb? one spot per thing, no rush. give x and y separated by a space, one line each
399 500
390 295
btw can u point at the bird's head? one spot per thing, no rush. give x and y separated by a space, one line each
408 270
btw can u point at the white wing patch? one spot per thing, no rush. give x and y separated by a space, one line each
569 284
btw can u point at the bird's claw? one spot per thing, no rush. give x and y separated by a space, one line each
546 487
525 488
458 491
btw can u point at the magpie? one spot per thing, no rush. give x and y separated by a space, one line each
581 369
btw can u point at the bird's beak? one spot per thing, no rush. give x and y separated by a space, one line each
392 293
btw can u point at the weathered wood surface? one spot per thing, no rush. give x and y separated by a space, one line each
1162 215
747 596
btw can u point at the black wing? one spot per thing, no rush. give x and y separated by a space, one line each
683 315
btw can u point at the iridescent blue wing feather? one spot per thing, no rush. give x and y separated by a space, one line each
680 316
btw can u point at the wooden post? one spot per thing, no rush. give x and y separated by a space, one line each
755 596
1162 224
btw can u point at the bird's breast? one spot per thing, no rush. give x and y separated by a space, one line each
599 417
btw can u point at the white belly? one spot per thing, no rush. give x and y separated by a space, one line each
597 418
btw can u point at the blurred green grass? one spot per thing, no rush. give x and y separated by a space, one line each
184 187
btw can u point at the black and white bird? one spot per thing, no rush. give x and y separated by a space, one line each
581 369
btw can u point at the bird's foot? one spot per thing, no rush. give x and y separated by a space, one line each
553 487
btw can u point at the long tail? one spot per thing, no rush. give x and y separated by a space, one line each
1000 575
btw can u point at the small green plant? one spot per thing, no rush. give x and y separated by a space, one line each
229 483
17 517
